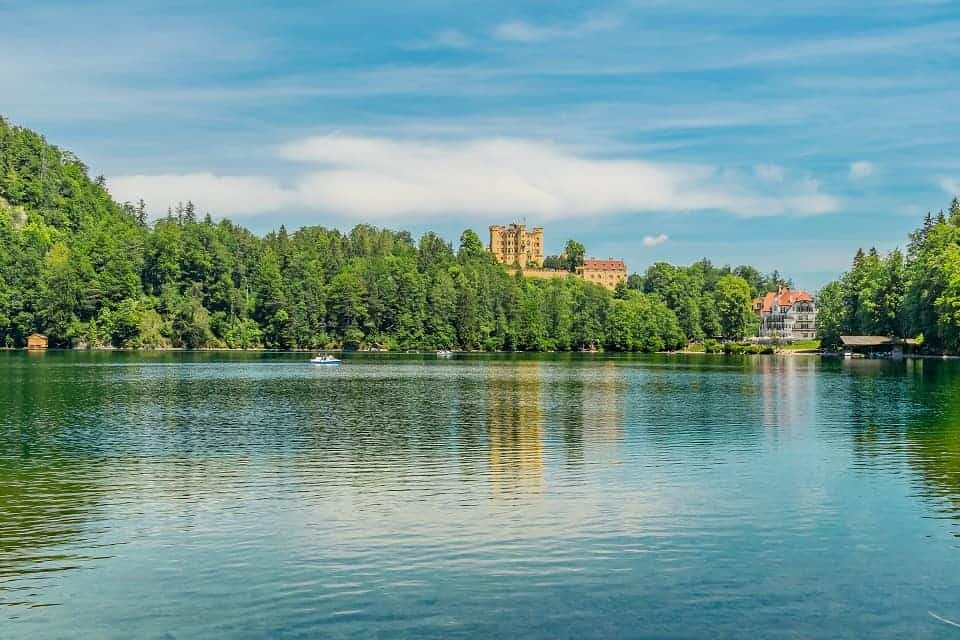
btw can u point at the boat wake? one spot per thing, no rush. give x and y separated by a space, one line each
942 619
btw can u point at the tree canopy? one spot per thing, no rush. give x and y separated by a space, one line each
897 294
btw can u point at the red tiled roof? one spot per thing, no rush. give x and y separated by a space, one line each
783 297
604 265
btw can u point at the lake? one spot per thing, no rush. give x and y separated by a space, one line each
222 495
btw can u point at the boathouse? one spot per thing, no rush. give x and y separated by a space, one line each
871 345
36 341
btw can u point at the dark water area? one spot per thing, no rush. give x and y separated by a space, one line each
224 495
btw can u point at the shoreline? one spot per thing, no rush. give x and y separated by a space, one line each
681 352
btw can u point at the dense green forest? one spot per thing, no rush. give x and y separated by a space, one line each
913 294
88 271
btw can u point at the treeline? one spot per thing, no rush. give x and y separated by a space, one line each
88 271
916 294
709 301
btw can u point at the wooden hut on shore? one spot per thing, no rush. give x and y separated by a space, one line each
36 342
875 345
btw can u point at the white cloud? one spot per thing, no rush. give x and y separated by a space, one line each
852 45
444 39
861 169
770 172
523 31
951 186
654 241
378 178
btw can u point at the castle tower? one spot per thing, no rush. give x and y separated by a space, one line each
513 244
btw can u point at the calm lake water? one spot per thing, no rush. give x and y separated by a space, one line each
253 496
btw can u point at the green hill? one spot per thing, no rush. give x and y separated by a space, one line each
89 271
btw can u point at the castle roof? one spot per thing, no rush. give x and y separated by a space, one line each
593 264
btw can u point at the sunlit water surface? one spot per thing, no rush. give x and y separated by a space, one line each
252 496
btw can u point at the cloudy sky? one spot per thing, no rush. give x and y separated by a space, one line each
779 134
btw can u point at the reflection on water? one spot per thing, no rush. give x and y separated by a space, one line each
911 415
786 388
47 502
515 427
219 495
45 517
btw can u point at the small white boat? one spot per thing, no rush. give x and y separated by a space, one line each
444 353
327 359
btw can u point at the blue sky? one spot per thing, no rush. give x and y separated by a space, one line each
783 135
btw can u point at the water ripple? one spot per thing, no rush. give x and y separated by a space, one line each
217 496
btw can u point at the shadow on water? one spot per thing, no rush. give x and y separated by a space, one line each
49 499
932 434
903 414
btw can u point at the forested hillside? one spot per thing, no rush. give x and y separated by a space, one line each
88 271
917 294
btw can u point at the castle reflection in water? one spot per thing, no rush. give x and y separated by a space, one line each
515 428
529 402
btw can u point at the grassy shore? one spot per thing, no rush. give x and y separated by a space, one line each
800 345
713 346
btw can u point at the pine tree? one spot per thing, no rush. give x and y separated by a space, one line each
141 212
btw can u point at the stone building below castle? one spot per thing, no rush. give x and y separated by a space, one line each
607 273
